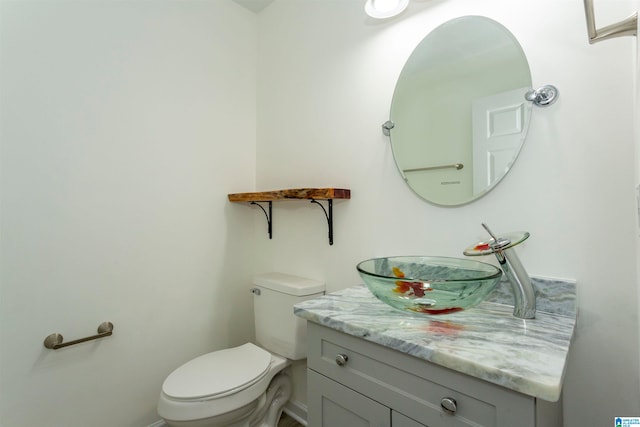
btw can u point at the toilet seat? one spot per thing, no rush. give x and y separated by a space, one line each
218 374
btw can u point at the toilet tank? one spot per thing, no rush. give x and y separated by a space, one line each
277 328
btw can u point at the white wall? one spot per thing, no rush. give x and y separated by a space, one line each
636 6
124 126
326 77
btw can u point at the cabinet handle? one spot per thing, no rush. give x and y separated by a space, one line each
449 405
342 359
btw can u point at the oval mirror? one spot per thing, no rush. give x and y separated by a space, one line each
459 113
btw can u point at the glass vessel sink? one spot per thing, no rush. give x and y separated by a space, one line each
429 285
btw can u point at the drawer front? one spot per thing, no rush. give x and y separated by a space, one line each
414 387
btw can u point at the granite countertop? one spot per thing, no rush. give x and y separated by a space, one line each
486 342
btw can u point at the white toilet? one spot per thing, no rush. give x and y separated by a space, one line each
245 386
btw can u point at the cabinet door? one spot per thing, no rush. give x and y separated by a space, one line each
399 420
331 404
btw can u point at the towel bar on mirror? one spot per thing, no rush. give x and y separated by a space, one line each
55 341
627 27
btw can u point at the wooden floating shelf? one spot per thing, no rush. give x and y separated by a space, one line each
312 194
289 194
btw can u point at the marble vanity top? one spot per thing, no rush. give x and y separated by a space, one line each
486 342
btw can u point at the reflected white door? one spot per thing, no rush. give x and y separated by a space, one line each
499 127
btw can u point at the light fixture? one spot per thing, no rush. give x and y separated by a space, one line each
381 9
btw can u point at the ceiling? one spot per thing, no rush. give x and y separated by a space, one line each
254 5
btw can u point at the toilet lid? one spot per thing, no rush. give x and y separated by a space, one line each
218 373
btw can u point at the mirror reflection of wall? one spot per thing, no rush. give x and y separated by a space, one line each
466 64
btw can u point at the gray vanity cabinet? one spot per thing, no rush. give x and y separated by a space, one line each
353 382
399 420
341 406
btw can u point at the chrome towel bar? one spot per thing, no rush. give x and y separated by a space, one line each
627 27
457 166
55 341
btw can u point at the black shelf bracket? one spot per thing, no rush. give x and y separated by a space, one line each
268 215
329 215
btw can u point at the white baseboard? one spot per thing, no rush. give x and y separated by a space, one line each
296 410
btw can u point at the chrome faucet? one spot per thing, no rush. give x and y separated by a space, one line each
502 248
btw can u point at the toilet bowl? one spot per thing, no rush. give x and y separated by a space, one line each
244 386
229 387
